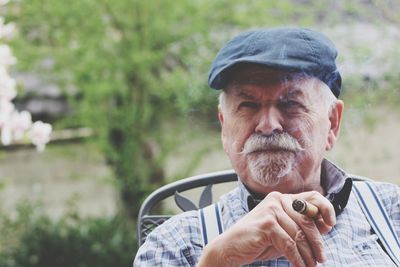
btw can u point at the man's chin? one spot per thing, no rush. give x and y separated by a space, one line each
268 169
275 157
268 179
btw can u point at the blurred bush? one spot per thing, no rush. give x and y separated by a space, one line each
32 239
134 71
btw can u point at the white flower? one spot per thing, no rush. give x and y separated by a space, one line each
20 122
3 2
6 134
40 134
6 56
6 108
13 124
7 85
6 30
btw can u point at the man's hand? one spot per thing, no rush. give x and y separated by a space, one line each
271 230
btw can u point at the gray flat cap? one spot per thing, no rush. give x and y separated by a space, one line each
289 49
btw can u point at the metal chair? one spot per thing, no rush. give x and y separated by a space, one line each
148 221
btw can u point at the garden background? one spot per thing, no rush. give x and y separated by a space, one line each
123 83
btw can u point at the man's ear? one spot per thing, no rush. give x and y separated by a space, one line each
223 135
335 118
220 117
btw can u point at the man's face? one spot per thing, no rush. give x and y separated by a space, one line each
275 130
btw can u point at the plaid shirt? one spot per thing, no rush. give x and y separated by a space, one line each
351 242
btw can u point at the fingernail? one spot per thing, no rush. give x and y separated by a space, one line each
323 258
333 220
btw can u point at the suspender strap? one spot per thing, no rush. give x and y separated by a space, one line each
210 222
378 218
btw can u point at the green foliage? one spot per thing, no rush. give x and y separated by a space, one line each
133 69
137 67
128 65
31 239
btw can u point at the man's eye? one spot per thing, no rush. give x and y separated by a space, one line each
248 104
291 104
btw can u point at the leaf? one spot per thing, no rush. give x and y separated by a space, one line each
184 203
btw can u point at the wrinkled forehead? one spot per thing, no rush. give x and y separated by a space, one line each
258 75
289 83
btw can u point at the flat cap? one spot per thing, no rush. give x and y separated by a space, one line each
290 49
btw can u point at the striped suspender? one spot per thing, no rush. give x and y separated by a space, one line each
210 222
378 218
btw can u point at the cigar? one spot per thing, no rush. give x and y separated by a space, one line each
305 208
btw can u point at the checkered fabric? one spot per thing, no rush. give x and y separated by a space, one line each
351 242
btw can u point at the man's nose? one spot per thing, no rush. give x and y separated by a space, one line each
269 121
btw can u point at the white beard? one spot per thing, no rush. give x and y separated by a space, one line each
267 168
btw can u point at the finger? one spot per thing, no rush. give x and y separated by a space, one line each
323 228
312 236
325 207
305 208
305 249
297 234
283 243
306 243
307 236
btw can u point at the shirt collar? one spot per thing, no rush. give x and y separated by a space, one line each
335 181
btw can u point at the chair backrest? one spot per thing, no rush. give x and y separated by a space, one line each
147 221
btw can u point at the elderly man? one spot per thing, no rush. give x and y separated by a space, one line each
279 113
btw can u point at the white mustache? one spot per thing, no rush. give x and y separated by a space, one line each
280 141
